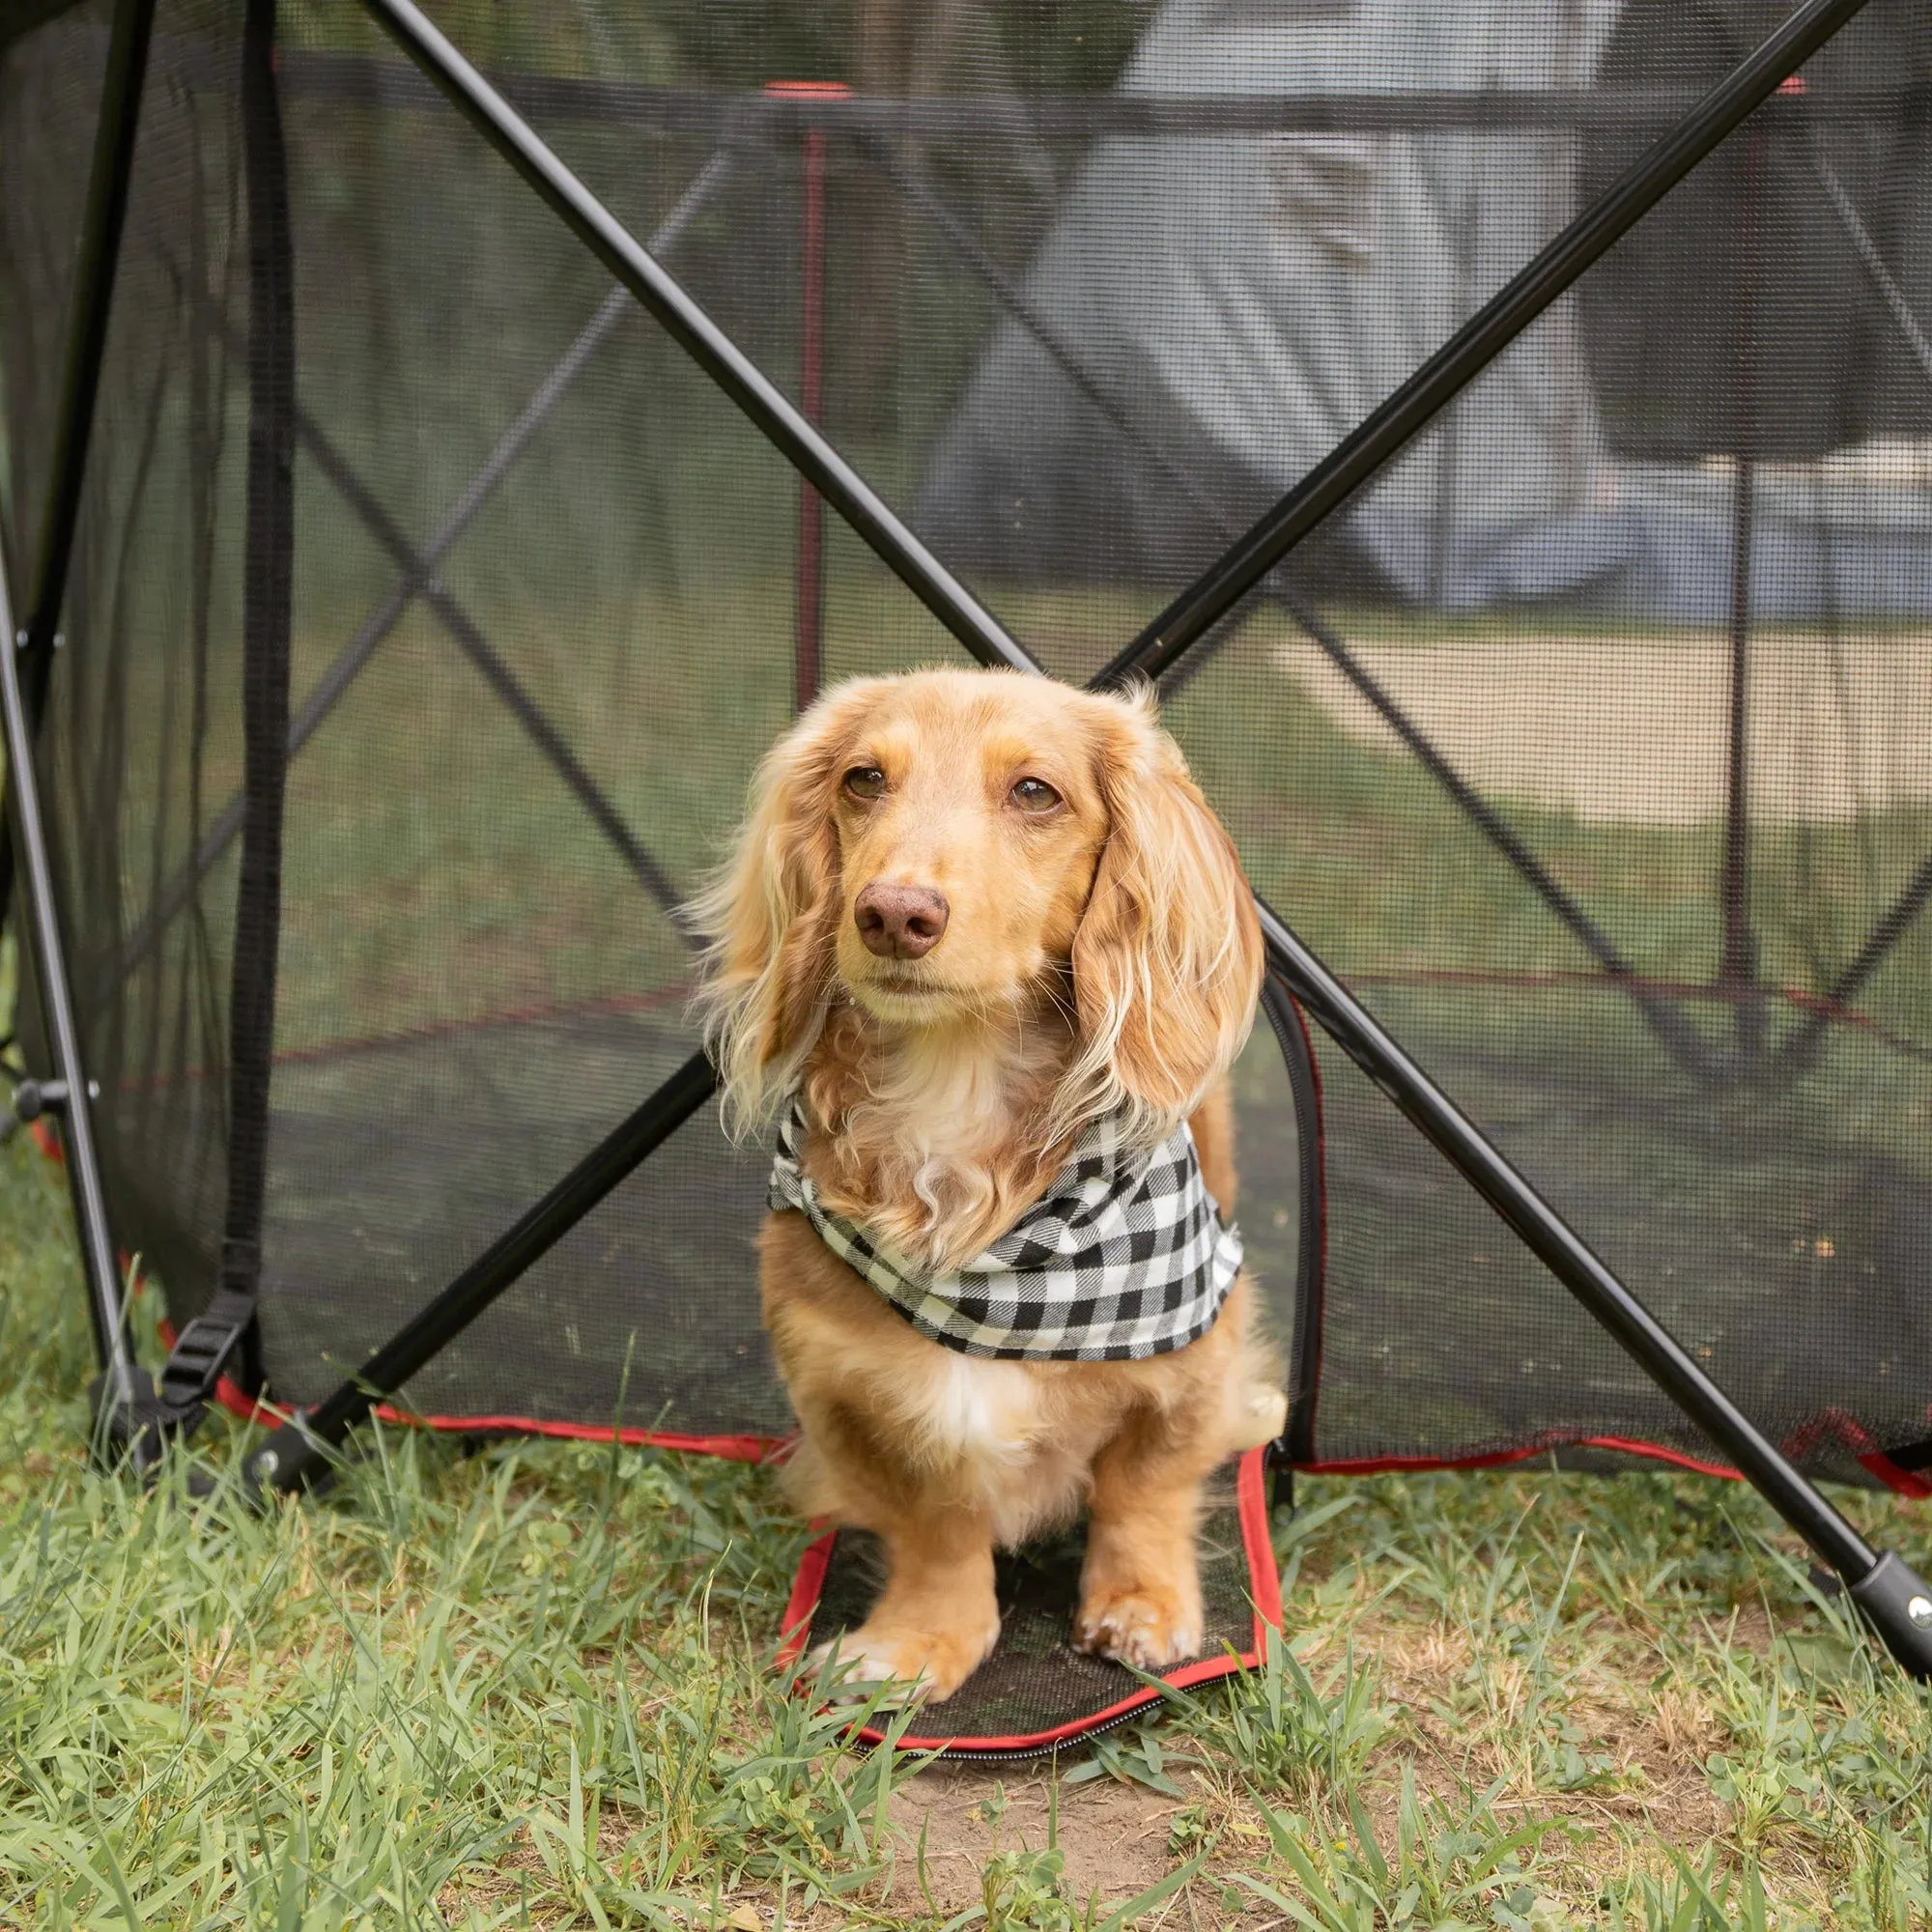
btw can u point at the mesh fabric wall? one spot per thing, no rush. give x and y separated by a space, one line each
1649 606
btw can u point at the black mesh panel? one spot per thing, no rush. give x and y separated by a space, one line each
1588 745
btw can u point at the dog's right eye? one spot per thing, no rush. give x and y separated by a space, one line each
866 782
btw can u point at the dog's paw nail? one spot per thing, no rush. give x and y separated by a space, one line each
1137 1631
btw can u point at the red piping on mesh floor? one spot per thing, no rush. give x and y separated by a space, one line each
1264 1587
769 1448
1495 1459
1911 1483
1904 1482
613 1006
729 1448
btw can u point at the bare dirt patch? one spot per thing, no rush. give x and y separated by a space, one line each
1114 1836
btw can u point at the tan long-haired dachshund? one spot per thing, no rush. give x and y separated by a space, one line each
973 920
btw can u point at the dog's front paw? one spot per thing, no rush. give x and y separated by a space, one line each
919 1664
1150 1626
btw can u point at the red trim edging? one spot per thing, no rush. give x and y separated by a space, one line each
1903 1482
796 1626
1496 1458
728 1448
1900 1481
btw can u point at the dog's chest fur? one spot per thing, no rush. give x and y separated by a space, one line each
1010 1438
934 1142
934 1139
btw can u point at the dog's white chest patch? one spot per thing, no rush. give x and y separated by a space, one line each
984 1410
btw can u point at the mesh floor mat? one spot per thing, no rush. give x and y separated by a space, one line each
1036 1692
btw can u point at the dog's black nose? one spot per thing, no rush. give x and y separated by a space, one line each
900 922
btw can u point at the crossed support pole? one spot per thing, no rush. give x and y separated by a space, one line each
1896 1603
1690 1049
1678 1038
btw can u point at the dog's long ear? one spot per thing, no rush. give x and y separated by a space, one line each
771 914
1166 961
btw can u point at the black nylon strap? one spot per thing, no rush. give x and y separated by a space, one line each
266 583
1296 1443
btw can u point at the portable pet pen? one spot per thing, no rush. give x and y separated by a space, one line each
1504 433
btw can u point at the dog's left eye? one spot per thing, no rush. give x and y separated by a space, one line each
1035 795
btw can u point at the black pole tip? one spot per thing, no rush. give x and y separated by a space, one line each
1898 1606
289 1461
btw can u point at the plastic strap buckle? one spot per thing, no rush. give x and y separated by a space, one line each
202 1350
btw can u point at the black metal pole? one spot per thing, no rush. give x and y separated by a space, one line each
1677 1036
24 678
1890 1596
70 1094
1476 344
300 1450
721 358
104 217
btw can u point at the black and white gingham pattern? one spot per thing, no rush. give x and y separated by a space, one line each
1124 1257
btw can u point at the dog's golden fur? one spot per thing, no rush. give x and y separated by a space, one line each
1098 951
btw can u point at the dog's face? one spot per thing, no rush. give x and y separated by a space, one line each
948 846
969 818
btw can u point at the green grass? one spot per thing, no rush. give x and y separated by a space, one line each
531 1686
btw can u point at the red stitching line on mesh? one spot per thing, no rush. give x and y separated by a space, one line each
1904 1482
1376 1466
1679 989
375 1043
728 1448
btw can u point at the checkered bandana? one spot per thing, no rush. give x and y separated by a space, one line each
1124 1257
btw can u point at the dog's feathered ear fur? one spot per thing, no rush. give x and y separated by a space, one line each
771 914
1166 961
